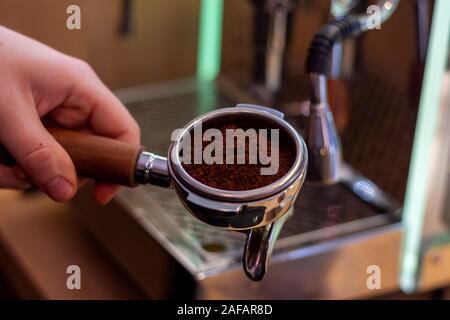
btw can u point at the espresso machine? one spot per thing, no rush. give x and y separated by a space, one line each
365 196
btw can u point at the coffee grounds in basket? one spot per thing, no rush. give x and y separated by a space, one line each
240 177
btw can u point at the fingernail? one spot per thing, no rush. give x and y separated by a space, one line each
59 189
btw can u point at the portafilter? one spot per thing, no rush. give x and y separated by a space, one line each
260 213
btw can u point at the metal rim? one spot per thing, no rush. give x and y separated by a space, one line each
190 183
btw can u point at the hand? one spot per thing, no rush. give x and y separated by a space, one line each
37 82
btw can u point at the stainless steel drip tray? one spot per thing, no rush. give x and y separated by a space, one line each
325 220
321 214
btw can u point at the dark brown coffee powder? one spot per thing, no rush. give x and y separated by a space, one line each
240 177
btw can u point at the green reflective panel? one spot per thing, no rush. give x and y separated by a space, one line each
210 37
415 198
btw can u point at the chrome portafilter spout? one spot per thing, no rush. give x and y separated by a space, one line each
259 246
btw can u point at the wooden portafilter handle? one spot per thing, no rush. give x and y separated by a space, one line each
96 157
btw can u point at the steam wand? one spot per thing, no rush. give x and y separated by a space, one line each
322 140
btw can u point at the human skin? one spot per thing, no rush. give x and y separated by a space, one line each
38 83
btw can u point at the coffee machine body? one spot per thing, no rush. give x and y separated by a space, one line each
389 211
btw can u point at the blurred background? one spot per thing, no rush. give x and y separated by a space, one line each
159 39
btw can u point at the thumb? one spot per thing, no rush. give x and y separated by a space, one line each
42 158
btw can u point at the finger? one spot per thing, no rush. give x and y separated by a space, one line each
91 103
44 161
104 192
9 180
20 173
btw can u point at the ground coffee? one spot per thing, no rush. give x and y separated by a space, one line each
240 177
